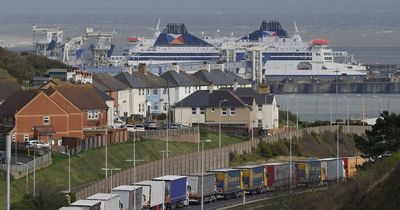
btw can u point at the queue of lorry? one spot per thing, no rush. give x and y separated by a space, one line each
173 191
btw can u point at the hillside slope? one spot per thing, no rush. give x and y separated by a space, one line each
24 66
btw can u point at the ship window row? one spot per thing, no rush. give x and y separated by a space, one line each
173 58
290 58
288 54
177 54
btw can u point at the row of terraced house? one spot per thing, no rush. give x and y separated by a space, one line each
76 103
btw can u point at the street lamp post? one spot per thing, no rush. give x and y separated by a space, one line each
379 107
297 110
69 170
363 108
134 165
34 171
220 114
290 160
337 149
287 112
111 183
163 174
202 172
330 106
27 175
111 176
348 114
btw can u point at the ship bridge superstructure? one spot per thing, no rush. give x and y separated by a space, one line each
174 44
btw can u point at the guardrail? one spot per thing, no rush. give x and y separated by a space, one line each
19 171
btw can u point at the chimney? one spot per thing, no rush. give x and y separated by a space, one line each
221 65
175 67
211 88
143 68
235 85
206 66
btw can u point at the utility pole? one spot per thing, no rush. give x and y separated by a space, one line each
134 165
8 154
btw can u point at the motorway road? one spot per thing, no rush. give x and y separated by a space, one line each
220 204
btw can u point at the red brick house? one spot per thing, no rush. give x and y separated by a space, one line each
33 115
61 111
90 104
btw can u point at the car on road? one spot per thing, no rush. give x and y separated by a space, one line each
150 125
130 127
136 127
36 144
139 127
172 125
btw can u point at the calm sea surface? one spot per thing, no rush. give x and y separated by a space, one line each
318 106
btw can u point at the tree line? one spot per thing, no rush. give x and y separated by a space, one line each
24 66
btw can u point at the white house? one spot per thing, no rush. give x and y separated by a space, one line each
116 89
185 84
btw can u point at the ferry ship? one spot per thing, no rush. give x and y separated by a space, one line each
173 45
271 52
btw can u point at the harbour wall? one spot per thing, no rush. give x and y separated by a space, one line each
344 85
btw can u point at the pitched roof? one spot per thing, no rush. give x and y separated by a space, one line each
218 77
237 78
17 101
142 80
8 87
260 98
83 97
181 79
104 95
204 98
109 82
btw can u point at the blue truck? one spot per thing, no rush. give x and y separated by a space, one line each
175 190
252 178
228 183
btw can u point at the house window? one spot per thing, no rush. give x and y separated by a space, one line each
194 110
10 120
14 137
155 106
165 107
148 92
202 111
26 137
93 115
143 107
224 111
46 120
260 107
140 107
212 109
260 125
233 111
165 91
155 91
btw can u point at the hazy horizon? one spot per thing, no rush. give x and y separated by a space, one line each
356 23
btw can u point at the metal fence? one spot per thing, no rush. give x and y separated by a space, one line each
163 133
18 171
